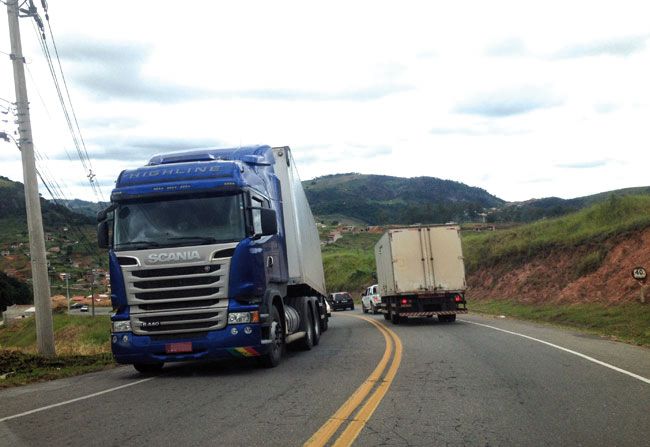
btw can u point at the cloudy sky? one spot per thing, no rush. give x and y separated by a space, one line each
523 99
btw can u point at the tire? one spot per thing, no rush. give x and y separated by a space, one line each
324 324
276 349
395 319
374 309
386 316
307 341
148 368
447 318
317 328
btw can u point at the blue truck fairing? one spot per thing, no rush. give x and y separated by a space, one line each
212 171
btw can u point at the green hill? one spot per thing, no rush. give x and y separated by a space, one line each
549 207
13 292
69 241
380 199
12 205
84 207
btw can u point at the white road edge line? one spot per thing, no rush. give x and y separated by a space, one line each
26 413
586 357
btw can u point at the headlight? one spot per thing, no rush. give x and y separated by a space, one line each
243 317
121 326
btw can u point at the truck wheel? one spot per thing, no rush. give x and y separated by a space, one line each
273 357
307 341
395 318
324 323
315 321
374 309
446 318
386 316
148 368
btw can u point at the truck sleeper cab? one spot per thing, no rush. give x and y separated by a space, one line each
203 256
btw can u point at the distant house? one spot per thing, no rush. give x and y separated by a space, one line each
333 237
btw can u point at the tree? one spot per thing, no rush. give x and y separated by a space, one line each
13 291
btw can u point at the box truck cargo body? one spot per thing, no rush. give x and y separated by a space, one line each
214 253
421 273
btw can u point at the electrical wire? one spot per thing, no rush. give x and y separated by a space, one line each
67 91
77 137
57 195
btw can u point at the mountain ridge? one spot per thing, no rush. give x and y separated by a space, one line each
383 199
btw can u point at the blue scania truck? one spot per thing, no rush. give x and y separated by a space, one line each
213 254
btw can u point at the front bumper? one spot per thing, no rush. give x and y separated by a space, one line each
221 344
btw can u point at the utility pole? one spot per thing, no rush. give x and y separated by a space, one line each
67 290
92 294
40 283
90 279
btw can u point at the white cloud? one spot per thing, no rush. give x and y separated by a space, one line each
501 95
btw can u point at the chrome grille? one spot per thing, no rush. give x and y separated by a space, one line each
178 299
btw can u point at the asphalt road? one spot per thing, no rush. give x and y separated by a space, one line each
455 384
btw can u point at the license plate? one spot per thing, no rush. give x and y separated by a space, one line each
175 348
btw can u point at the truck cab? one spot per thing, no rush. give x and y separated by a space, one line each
202 253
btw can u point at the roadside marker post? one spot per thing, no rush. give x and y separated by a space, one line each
640 274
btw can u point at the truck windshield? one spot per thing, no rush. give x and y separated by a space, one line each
179 222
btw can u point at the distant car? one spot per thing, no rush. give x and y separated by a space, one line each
76 306
83 308
370 299
341 300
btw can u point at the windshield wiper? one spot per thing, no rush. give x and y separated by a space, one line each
137 244
198 239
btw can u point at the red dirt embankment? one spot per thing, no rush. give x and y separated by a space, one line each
553 277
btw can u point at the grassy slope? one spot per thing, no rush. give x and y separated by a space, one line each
612 217
626 322
82 345
349 263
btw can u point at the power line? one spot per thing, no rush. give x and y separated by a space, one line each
67 91
57 195
77 137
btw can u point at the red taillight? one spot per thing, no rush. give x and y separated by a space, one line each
405 301
458 299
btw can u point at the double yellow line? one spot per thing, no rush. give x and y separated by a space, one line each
374 381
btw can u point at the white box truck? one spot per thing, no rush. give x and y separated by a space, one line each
421 273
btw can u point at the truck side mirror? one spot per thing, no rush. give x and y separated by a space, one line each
102 234
269 222
102 215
